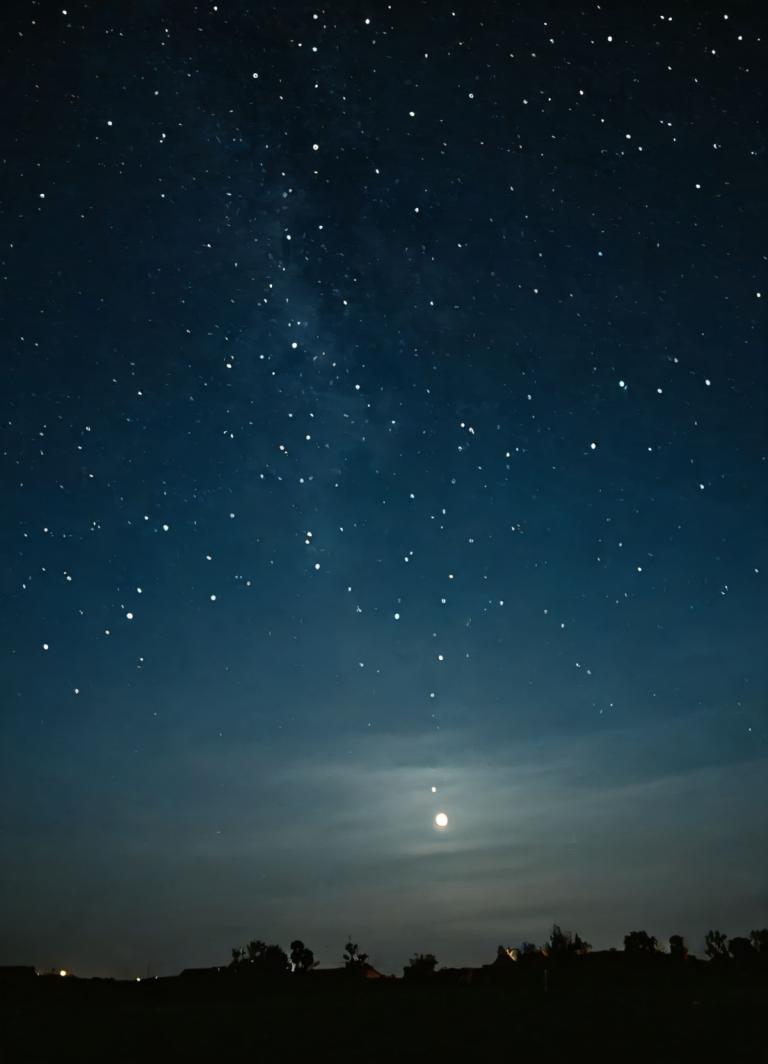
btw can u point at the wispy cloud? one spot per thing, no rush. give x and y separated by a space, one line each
598 833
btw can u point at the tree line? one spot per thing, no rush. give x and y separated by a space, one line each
260 958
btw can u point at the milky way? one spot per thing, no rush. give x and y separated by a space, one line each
384 432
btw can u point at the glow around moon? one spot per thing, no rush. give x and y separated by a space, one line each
441 820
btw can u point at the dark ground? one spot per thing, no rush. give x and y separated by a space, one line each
69 1020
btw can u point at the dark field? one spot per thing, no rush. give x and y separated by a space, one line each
73 1020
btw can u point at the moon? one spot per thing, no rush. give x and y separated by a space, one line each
441 820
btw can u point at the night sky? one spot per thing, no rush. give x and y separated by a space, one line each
383 396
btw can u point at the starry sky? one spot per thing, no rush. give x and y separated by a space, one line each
383 409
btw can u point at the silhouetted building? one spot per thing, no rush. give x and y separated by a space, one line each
11 973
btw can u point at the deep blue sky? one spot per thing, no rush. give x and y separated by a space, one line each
384 408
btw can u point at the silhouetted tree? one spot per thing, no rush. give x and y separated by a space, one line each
275 961
716 945
560 941
759 940
580 945
302 958
640 943
677 947
529 949
740 949
563 943
353 958
420 966
258 957
254 950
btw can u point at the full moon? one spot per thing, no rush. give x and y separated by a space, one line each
441 820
